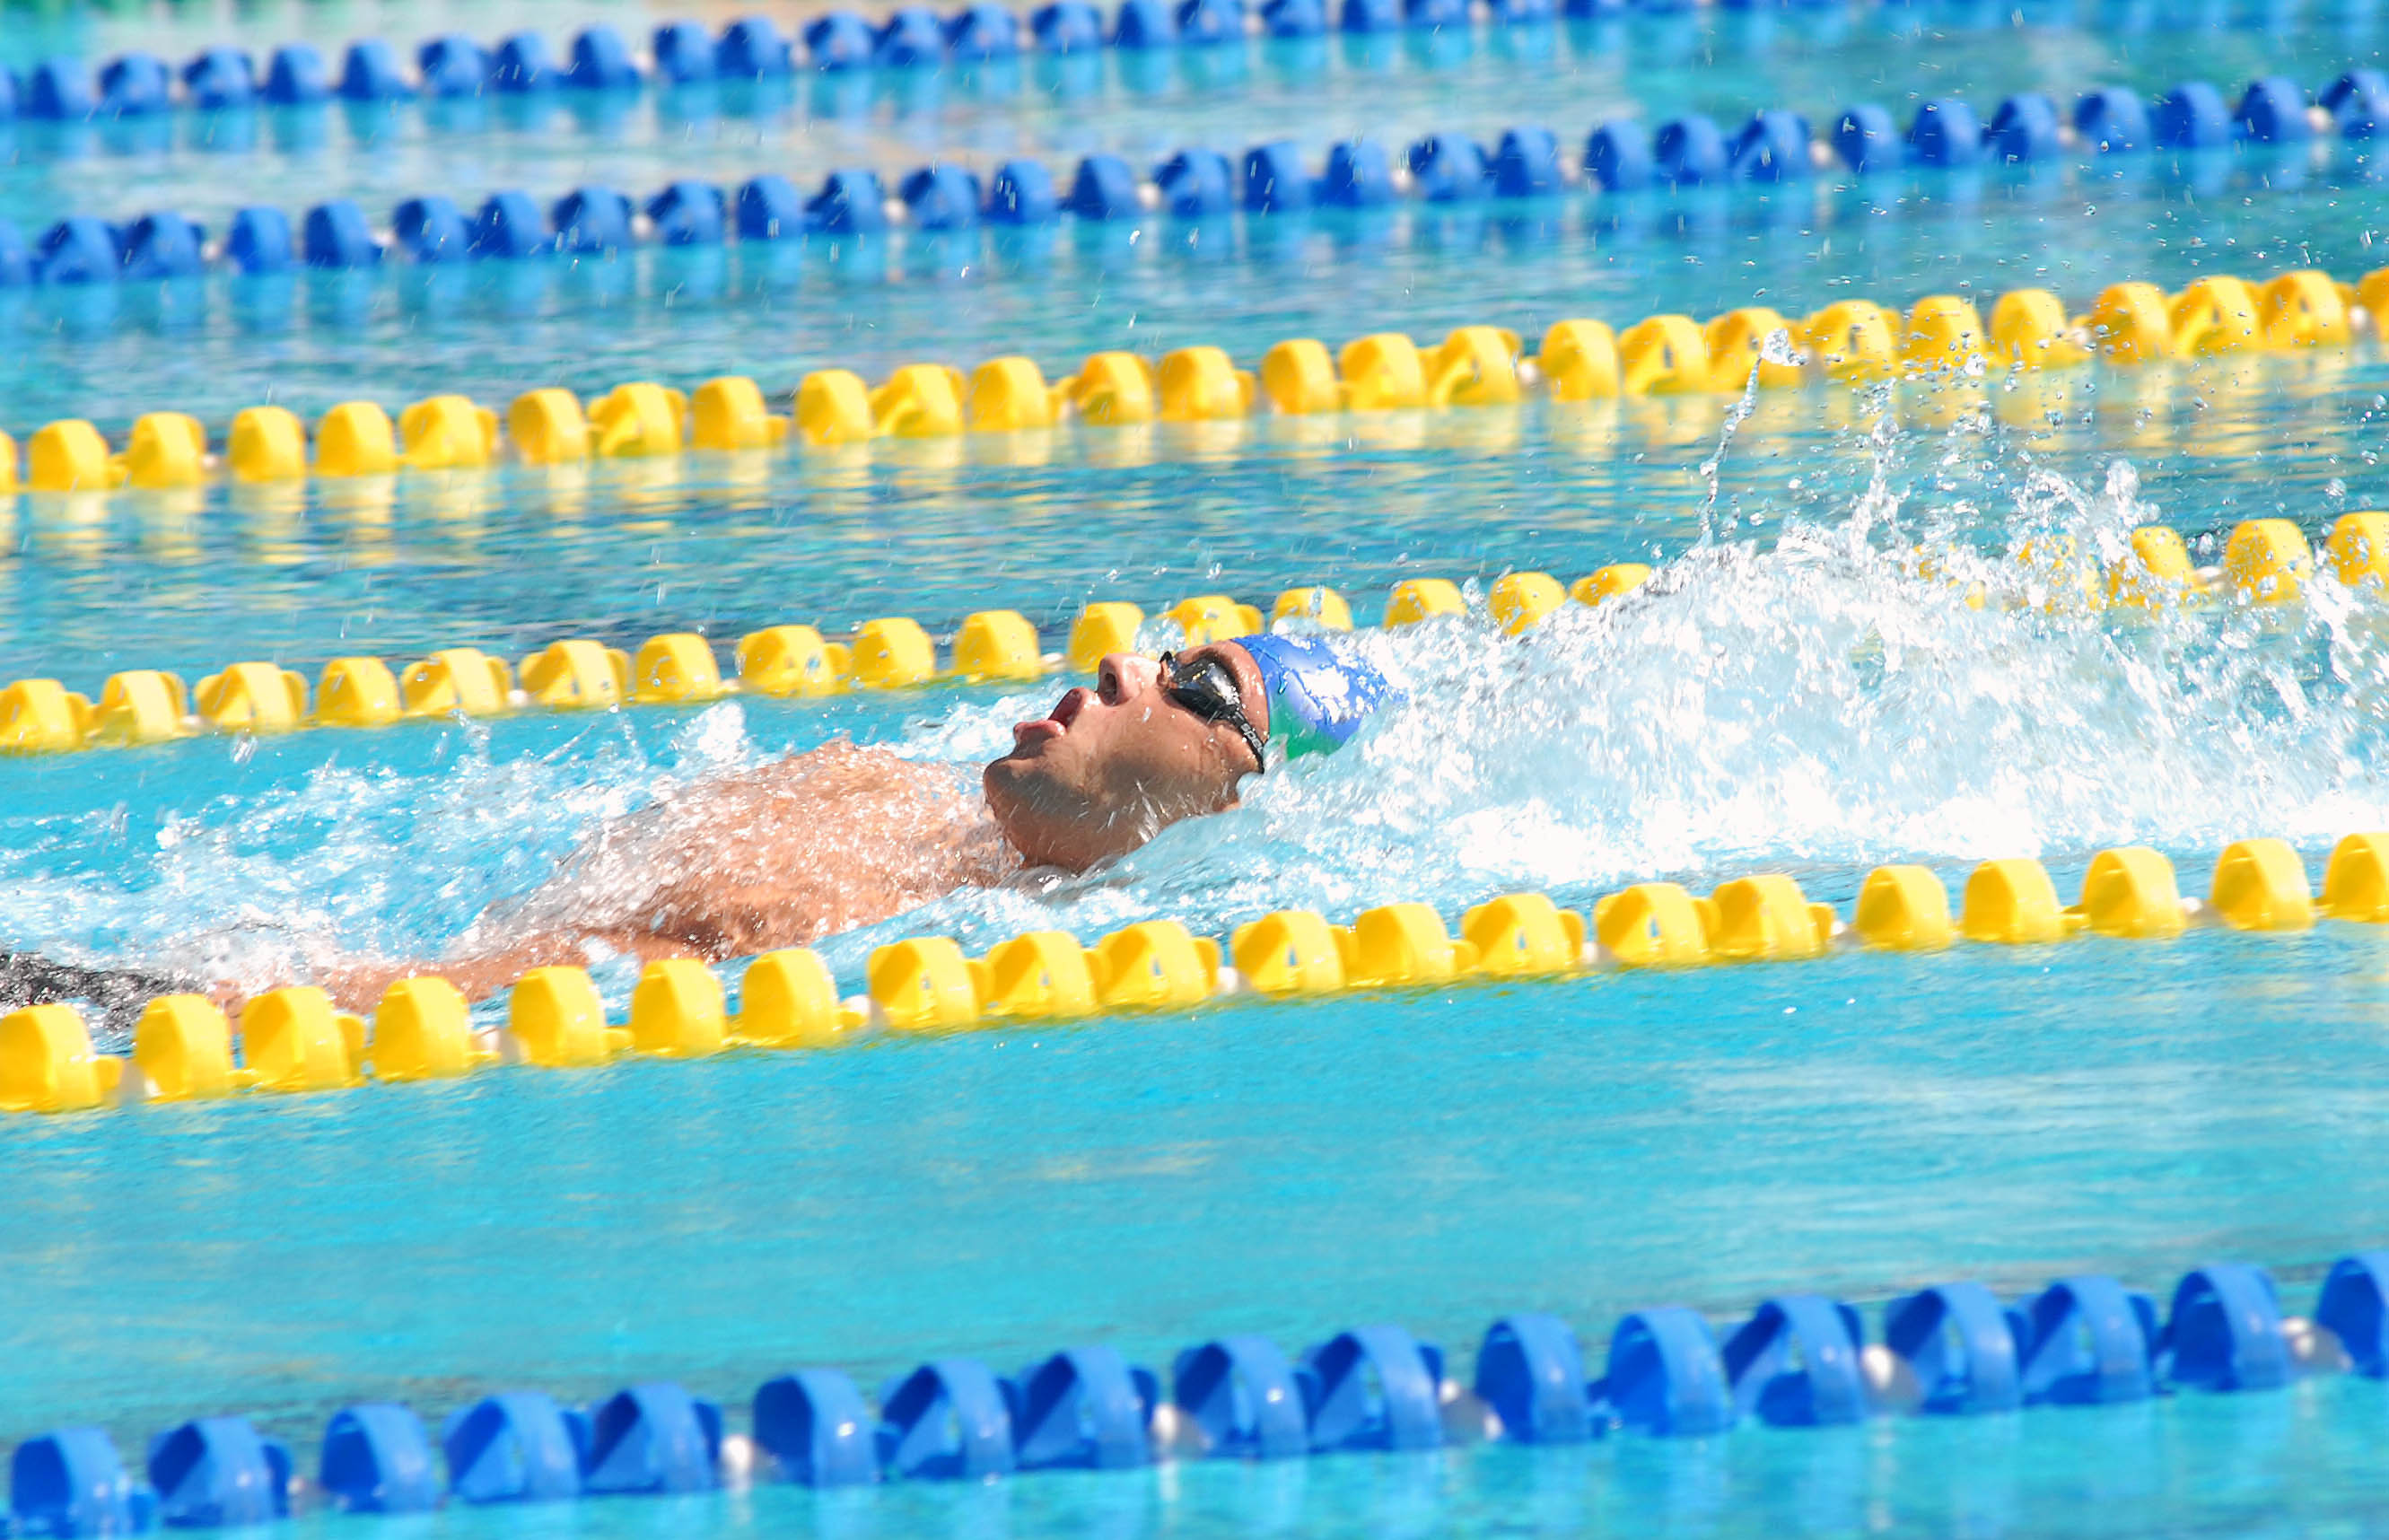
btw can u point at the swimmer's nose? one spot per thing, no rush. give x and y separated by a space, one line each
1125 676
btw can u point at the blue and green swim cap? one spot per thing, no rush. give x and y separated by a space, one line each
1319 692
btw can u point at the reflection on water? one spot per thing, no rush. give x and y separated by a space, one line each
1043 522
1872 643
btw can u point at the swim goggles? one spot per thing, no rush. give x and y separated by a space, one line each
1207 688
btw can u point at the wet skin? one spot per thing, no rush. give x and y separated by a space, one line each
786 853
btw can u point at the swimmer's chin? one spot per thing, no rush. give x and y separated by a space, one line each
1051 826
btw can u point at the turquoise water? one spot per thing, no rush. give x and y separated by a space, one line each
1043 523
494 329
1858 1125
1569 76
1787 695
255 857
1566 77
2170 1468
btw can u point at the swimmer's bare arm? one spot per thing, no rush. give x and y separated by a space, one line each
778 856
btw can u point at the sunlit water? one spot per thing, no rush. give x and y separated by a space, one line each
775 311
1144 105
1859 1125
1788 688
1789 693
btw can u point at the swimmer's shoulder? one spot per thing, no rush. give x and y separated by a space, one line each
843 767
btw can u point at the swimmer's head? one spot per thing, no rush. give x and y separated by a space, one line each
1157 742
1319 691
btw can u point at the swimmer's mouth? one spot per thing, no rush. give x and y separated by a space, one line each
1065 711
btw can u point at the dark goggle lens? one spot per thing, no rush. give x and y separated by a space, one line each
1204 688
1207 688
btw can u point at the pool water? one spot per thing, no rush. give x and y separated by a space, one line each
1859 1126
1567 76
776 310
1790 693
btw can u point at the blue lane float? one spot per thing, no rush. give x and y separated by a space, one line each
133 85
1021 192
941 197
1623 155
1359 175
848 203
217 1472
1144 24
162 244
78 251
1665 1376
982 32
1962 1347
815 1425
2192 116
1067 27
601 61
378 1459
2087 1340
1242 1396
297 76
515 1447
1276 182
1794 1363
1799 1360
1773 146
770 208
599 57
58 90
2223 1331
428 230
1376 1387
369 72
689 213
258 240
1618 157
219 79
753 49
2112 119
682 51
1197 183
2273 112
1295 18
2023 127
452 66
912 38
508 226
1083 1409
591 222
1446 168
1527 163
71 1480
2354 1306
1867 140
1209 23
1689 151
652 1439
946 1420
838 41
1530 1371
1946 133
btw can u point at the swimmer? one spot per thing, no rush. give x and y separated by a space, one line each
841 836
115 995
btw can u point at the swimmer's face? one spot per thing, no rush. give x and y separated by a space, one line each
1114 765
